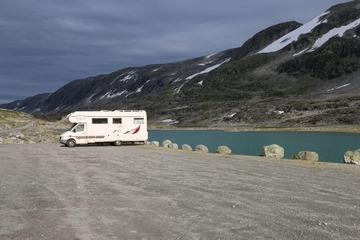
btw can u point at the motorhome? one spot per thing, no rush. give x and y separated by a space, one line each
115 127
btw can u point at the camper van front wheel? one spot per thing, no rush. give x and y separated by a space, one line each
71 143
117 143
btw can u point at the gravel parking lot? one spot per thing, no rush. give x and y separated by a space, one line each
48 191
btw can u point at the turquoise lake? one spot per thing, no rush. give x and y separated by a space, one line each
331 147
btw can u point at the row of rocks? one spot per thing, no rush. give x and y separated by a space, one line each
199 148
273 150
276 151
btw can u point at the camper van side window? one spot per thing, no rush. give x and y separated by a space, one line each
117 120
99 120
79 128
138 121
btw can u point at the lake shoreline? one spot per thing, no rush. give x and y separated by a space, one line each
329 145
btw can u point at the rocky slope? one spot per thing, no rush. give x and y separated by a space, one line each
11 119
17 127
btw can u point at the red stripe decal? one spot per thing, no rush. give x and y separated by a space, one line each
136 130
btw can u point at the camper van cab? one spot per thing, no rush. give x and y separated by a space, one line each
115 127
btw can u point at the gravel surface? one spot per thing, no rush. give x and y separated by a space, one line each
48 191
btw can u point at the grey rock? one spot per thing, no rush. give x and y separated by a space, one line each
273 150
223 150
201 148
307 156
352 157
186 147
166 143
155 143
173 146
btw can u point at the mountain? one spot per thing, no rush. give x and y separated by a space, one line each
286 75
128 83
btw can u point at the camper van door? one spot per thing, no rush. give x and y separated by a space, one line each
80 133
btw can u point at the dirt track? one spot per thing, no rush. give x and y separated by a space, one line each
29 125
142 192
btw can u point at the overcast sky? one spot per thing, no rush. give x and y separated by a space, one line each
45 44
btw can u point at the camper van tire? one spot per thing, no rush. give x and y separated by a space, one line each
71 143
117 143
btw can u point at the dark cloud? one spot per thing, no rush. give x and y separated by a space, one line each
46 43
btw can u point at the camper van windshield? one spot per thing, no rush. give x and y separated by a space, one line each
72 127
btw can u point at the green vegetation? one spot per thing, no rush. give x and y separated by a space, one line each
11 119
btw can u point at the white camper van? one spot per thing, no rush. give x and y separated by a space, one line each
113 127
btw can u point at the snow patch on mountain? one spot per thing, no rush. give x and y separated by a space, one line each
203 64
129 76
177 80
299 53
88 100
140 88
111 95
336 88
209 69
169 121
177 90
294 35
306 28
334 32
209 56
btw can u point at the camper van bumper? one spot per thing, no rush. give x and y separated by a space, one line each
63 139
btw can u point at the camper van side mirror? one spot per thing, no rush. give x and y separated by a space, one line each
74 130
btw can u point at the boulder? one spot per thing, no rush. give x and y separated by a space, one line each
186 147
155 143
352 157
201 148
273 150
307 156
173 146
223 150
166 143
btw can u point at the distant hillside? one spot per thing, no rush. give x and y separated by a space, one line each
20 128
128 83
288 74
